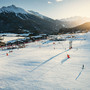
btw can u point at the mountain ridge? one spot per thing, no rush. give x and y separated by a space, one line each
74 21
17 20
80 28
14 19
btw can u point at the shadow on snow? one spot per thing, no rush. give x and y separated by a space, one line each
48 60
79 74
64 60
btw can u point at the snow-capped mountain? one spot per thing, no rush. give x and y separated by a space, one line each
76 18
18 10
14 9
71 18
13 19
74 21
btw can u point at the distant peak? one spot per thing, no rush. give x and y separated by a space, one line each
16 10
8 6
13 5
13 8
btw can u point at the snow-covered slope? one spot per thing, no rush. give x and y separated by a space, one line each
17 10
37 14
14 9
43 65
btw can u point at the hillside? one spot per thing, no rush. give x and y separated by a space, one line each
16 20
74 21
85 26
81 28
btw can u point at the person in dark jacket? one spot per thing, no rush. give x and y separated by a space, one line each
83 66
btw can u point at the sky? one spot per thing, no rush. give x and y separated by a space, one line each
56 9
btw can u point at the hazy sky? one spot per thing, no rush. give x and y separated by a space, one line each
56 9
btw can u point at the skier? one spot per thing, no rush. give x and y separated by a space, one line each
68 56
83 66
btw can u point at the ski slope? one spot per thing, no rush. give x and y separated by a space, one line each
43 65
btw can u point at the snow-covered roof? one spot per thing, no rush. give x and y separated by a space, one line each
36 36
24 34
43 34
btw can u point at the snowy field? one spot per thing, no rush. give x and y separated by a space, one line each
43 65
10 36
6 39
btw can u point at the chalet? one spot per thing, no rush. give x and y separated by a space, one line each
44 36
34 38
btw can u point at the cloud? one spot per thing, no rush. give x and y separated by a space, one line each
59 0
49 2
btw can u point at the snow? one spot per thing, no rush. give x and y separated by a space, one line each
14 9
36 14
76 18
7 39
20 17
17 10
8 34
15 35
43 65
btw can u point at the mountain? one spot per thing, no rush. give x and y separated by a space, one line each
37 14
17 20
74 21
14 9
85 26
81 28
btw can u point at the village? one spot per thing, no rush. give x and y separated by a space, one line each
13 41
